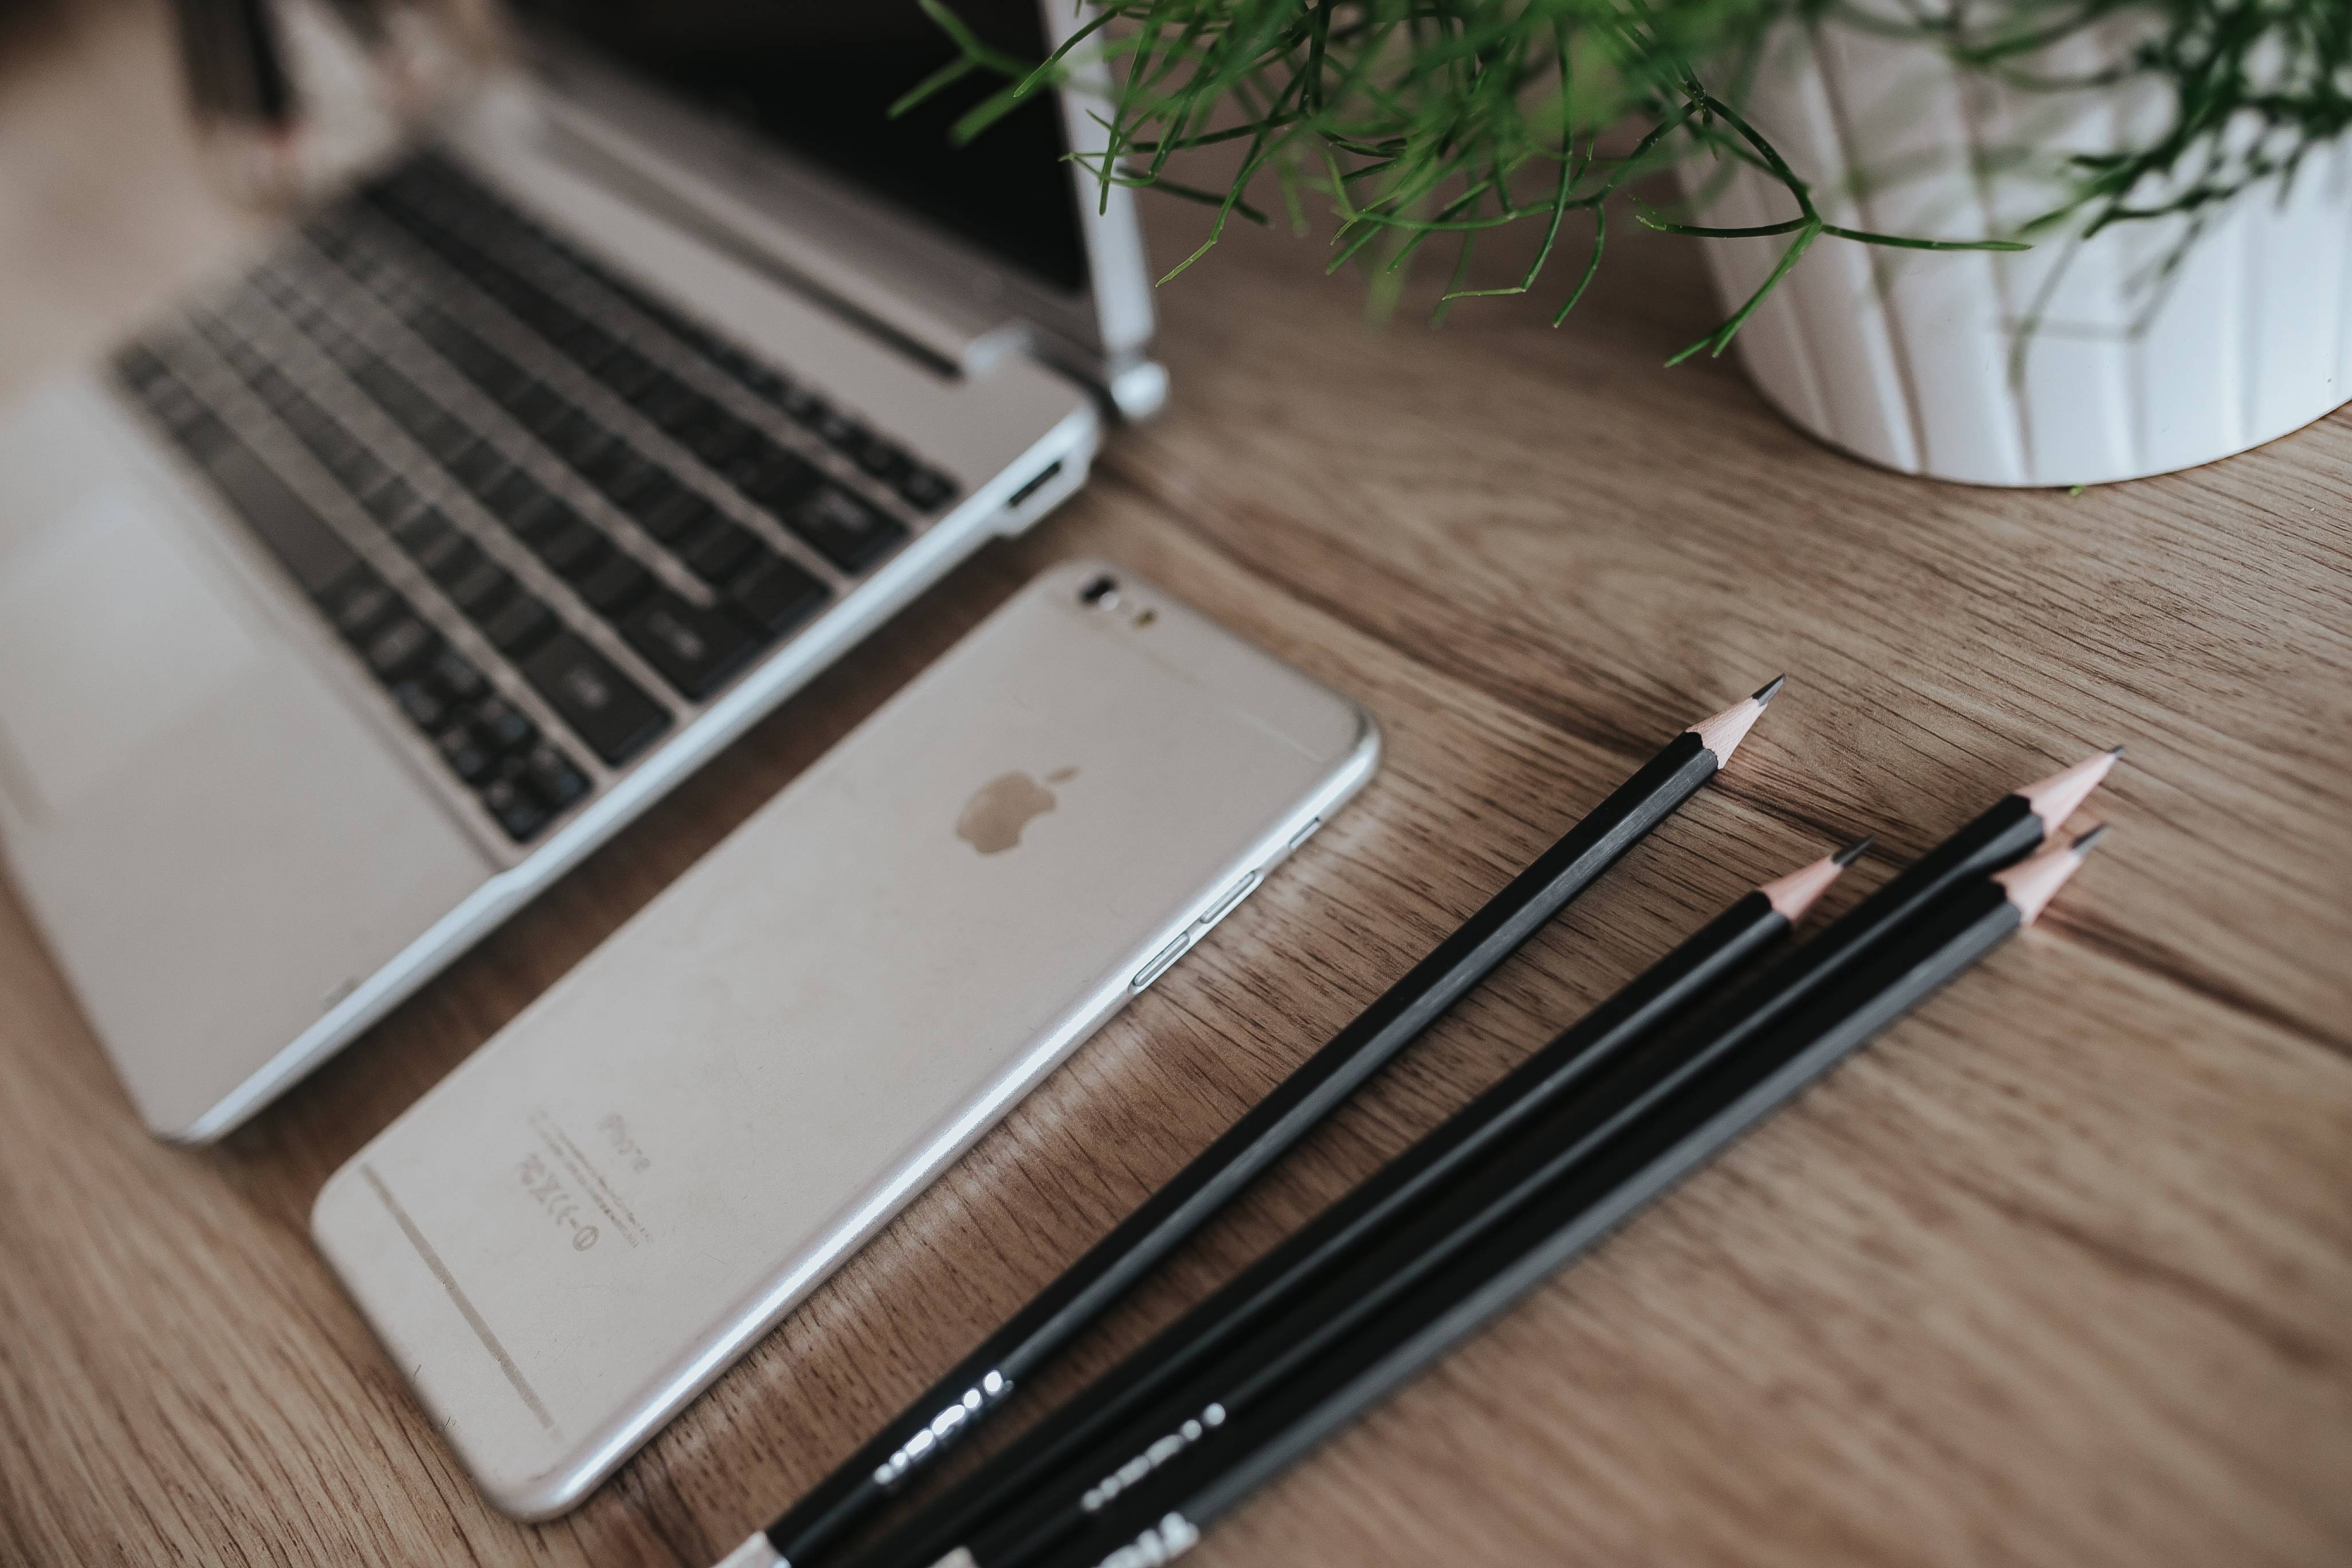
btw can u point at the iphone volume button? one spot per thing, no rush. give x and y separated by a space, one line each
1225 906
1160 961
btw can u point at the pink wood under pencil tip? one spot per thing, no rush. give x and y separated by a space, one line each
2053 799
1723 733
1793 894
2031 884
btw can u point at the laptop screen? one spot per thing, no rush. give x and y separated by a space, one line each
819 77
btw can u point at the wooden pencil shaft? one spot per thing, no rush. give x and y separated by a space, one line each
819 1523
1414 1177
1196 1486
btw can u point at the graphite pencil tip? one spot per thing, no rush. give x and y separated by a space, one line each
2031 884
1770 690
1793 894
1723 733
1855 850
2053 799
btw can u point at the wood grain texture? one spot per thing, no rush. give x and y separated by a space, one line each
2061 1271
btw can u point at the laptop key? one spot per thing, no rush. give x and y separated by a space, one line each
611 464
925 490
537 407
776 595
521 625
464 751
503 726
400 648
446 438
780 481
628 373
615 585
481 469
633 482
273 387
552 777
667 402
573 550
589 347
311 551
449 558
720 551
802 406
200 436
717 436
693 648
878 458
515 495
366 495
603 707
361 470
421 531
455 677
360 605
589 448
426 707
535 525
663 507
517 810
844 528
837 429
482 590
394 502
757 378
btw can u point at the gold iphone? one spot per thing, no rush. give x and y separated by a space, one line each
574 1233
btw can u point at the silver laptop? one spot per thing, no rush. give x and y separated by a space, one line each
347 607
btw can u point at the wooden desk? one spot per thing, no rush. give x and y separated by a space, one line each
2061 1271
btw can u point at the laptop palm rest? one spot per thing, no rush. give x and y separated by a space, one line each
214 842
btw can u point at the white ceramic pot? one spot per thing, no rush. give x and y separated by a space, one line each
1915 359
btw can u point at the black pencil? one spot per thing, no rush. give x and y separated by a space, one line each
1998 837
858 1488
1160 1513
1743 931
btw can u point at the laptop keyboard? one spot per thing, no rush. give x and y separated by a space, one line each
603 510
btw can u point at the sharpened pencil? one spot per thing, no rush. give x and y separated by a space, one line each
1998 837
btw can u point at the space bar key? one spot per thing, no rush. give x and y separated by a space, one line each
605 708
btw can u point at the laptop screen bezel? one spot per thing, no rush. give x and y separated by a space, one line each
1102 326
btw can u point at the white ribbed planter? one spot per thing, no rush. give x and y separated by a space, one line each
1911 359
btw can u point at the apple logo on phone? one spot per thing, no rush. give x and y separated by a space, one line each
997 812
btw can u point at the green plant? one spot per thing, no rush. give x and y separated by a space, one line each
1445 119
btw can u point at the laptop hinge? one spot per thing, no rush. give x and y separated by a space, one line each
730 225
1131 388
